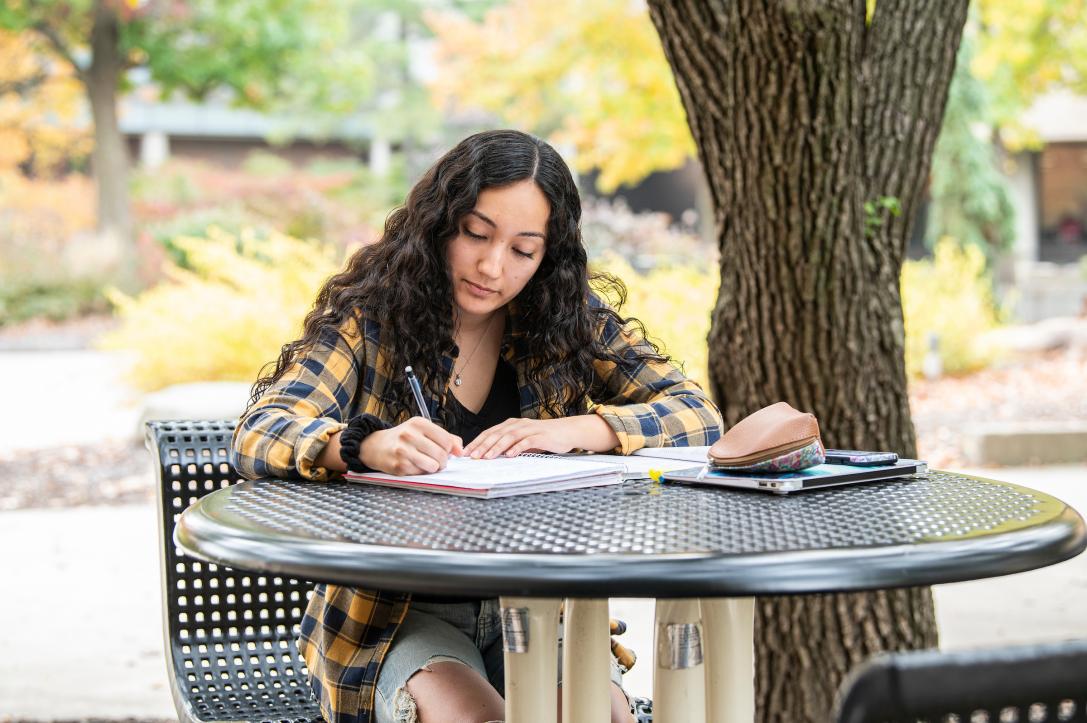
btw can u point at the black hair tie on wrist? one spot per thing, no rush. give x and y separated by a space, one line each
358 429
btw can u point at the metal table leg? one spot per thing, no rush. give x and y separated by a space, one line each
586 662
530 633
530 651
679 683
728 628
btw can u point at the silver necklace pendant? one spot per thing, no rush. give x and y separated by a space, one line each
456 377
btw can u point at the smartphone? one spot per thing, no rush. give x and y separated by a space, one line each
855 458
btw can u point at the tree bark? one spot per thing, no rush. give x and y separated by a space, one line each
110 157
803 112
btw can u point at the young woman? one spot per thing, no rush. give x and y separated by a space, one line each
480 284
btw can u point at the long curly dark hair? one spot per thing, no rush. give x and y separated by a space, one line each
403 281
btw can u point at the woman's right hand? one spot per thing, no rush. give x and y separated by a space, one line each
412 447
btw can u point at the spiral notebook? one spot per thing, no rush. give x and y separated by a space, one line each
503 476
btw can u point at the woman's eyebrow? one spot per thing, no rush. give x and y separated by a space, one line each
492 224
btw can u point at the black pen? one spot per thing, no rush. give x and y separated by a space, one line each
417 391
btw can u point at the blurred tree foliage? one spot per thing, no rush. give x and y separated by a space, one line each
595 77
1027 48
1012 52
591 75
970 200
258 50
392 104
41 129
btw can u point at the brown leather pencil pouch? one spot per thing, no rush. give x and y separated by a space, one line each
777 438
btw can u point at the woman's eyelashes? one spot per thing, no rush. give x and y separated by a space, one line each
481 237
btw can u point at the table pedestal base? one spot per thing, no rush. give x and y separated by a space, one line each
679 681
705 660
586 662
530 632
728 628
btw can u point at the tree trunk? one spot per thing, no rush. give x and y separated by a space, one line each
802 113
110 157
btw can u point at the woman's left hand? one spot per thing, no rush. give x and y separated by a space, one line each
514 436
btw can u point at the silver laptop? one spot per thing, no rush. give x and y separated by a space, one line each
823 475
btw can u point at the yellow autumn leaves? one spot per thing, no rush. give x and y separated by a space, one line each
590 76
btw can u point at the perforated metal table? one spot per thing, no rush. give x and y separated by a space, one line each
702 552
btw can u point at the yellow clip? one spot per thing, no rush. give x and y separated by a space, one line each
655 475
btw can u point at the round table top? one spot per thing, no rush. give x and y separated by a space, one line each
638 539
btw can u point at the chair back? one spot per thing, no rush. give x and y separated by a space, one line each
230 634
1025 684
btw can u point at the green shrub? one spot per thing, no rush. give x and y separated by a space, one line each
56 300
949 295
370 196
264 163
49 256
647 240
242 297
167 186
674 303
232 218
334 199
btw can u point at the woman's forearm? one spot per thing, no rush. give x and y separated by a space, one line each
593 433
329 458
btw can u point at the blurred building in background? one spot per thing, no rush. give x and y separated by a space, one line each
223 135
1048 264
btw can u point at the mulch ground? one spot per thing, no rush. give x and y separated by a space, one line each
1051 386
43 334
111 473
1042 387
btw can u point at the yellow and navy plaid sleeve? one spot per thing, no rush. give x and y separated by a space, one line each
284 432
648 403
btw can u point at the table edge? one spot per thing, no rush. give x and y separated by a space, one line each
201 535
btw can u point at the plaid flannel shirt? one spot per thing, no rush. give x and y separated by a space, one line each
346 632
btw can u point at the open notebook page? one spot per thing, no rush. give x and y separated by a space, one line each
633 467
697 455
485 474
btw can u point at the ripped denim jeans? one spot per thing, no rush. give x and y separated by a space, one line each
467 632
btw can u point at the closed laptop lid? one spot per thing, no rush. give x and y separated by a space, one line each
823 475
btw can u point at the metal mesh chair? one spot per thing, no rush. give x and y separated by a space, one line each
230 634
1022 684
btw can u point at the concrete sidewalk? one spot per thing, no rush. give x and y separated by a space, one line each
67 397
82 630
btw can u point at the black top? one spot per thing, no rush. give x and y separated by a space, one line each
502 403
